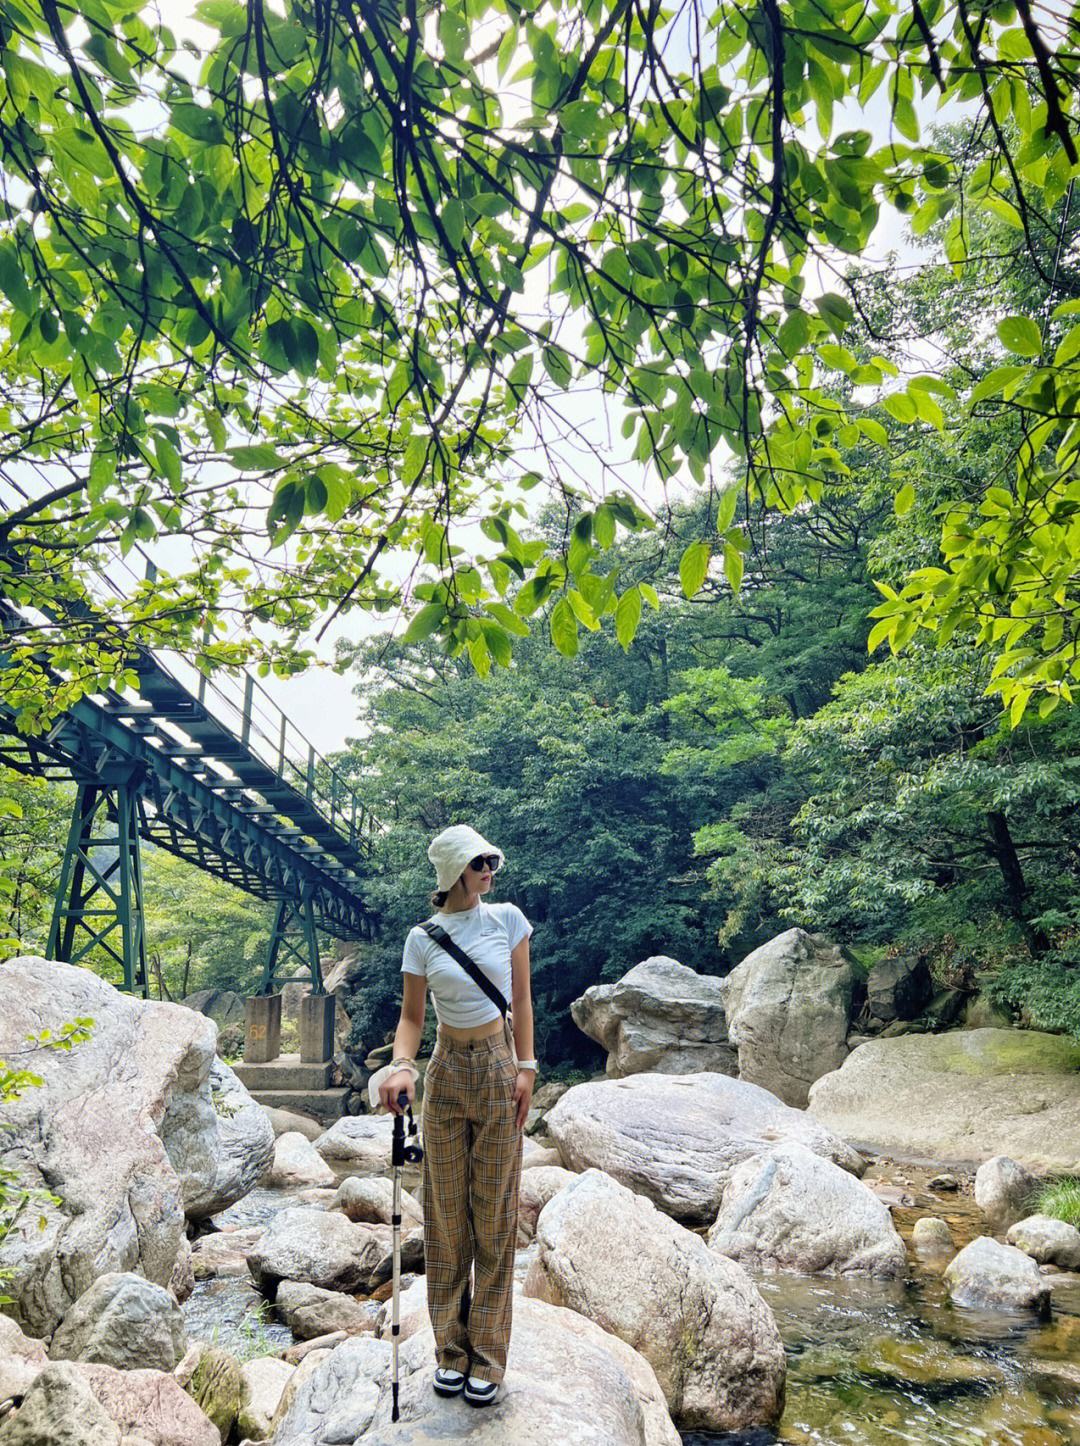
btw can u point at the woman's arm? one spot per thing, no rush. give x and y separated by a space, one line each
406 1041
521 1001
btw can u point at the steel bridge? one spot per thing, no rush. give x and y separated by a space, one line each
216 774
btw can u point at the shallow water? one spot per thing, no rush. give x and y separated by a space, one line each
878 1363
870 1363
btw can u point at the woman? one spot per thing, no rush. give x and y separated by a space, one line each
475 1103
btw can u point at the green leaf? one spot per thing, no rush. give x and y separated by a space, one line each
904 499
1021 335
426 622
725 511
302 345
627 617
258 458
564 628
835 311
733 566
693 567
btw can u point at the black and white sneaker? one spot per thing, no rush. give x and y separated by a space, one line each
449 1383
480 1393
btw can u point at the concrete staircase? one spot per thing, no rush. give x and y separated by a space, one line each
287 1083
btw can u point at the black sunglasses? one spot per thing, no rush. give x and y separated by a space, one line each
485 861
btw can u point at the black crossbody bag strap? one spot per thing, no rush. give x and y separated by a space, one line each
443 939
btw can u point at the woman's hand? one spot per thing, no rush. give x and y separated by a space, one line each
392 1086
523 1092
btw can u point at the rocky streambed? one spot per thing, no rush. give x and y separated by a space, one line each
869 1361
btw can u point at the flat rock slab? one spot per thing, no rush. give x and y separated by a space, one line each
964 1095
677 1138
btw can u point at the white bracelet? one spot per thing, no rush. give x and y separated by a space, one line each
528 1064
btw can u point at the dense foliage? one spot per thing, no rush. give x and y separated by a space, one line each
307 277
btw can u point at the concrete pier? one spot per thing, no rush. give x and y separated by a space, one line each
316 1028
262 1028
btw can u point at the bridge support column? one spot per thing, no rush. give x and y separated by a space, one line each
98 905
262 1028
316 1028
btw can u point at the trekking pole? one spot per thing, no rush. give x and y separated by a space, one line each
400 1154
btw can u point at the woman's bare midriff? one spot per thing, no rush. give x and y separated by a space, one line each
478 1031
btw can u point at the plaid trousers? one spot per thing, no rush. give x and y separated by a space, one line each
472 1171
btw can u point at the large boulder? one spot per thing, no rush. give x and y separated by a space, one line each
214 1381
219 1140
990 1276
793 1210
964 1095
538 1185
677 1138
659 1016
898 988
320 1247
359 1142
124 1321
696 1317
789 1010
79 1403
22 1359
224 1006
60 1409
591 1390
125 1129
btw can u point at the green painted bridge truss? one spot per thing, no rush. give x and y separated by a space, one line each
217 776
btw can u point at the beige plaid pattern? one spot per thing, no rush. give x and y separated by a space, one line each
472 1171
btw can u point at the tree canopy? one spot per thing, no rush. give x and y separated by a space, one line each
286 294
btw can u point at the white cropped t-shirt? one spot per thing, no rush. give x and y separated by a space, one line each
487 933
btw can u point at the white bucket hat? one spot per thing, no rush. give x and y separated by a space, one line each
452 849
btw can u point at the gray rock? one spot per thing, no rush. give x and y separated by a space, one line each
696 1317
100 1134
150 1404
931 1236
284 1122
60 1409
1004 1191
793 1210
297 1162
224 1252
960 1096
677 1138
990 1276
898 988
538 1186
219 1141
659 1016
265 1378
593 1391
1047 1241
223 1006
789 1010
370 1200
216 1384
124 1321
320 1247
22 1359
310 1312
182 1280
360 1141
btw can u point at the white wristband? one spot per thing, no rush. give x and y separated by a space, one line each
527 1064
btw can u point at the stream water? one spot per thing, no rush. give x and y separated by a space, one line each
870 1363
